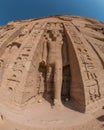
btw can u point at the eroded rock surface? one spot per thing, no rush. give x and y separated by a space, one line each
59 58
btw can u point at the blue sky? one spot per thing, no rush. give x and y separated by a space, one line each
24 9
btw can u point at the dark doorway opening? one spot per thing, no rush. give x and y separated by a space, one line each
65 93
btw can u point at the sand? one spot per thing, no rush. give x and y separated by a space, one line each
42 116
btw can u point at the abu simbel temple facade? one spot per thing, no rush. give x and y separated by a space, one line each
60 58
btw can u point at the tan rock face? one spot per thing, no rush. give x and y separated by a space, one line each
60 58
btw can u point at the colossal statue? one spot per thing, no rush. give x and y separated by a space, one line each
52 58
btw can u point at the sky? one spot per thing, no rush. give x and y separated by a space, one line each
11 10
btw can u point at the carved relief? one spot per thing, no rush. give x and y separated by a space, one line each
22 65
23 32
100 46
97 28
5 31
87 66
54 26
37 58
53 40
9 27
52 61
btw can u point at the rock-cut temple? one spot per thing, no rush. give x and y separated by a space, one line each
60 58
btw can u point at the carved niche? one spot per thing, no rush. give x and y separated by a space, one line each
55 55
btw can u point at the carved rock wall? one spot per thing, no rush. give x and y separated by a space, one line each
77 42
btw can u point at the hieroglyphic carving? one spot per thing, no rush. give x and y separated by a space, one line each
21 64
9 27
54 26
11 37
100 46
97 27
22 76
92 87
12 47
97 50
24 55
6 31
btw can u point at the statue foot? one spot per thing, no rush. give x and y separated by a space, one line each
58 104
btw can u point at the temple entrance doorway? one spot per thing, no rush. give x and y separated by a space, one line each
65 93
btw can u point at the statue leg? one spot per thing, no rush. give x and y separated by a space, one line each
57 84
49 81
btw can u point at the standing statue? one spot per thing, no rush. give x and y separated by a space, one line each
52 59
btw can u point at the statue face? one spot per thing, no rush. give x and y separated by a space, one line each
55 33
54 36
